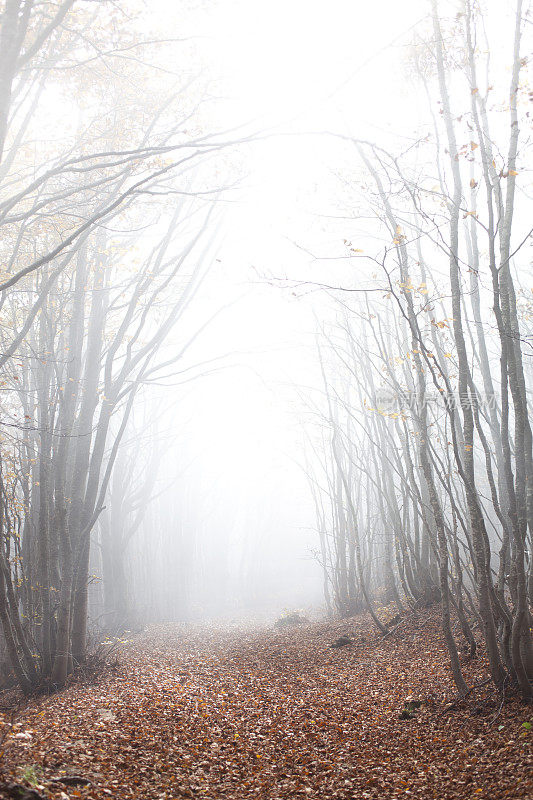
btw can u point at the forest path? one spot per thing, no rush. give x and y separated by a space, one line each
209 712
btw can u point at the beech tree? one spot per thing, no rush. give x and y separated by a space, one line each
87 302
441 436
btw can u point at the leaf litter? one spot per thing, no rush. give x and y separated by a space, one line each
207 711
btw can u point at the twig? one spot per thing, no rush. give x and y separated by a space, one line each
393 630
464 696
501 702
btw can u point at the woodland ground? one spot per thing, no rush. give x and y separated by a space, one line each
236 712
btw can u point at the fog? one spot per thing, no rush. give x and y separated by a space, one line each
294 77
266 320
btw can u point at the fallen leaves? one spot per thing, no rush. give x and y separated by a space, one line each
241 713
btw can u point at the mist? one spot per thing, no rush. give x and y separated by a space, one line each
266 321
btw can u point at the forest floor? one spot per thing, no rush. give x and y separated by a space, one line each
237 712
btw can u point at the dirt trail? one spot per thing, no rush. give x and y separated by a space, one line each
236 713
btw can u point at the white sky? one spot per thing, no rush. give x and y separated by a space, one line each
287 67
294 68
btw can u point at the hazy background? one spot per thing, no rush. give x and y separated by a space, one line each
294 74
297 77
